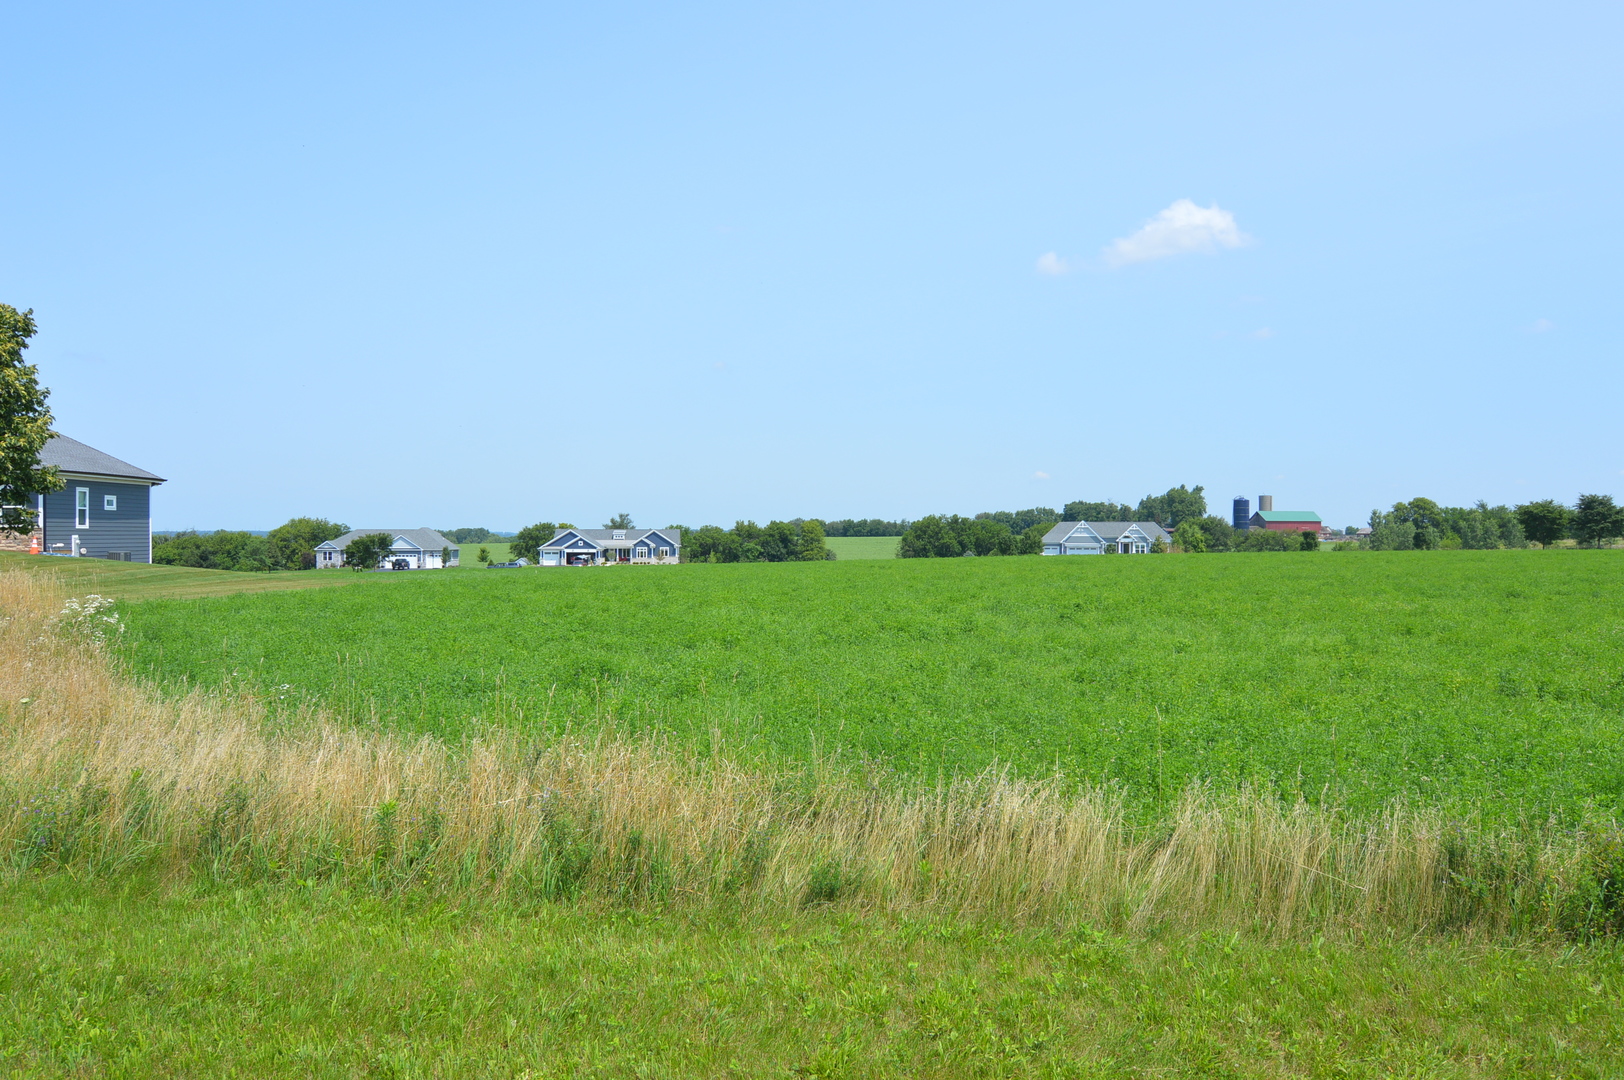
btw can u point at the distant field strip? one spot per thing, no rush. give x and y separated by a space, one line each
864 547
1489 678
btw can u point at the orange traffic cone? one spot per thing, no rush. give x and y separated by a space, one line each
33 544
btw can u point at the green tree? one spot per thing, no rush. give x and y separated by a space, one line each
1597 520
1097 511
1030 542
1220 534
294 542
1544 522
1267 540
1190 537
1389 534
620 521
813 548
1175 505
527 543
930 537
484 555
365 552
1310 540
1158 546
25 425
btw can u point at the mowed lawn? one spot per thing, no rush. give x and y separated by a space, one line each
1490 677
294 981
140 581
864 547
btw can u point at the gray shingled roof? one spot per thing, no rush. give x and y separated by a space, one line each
1107 530
426 539
71 455
602 537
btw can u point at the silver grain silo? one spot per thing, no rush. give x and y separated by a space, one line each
1265 502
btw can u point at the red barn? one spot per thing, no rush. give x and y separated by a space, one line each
1286 520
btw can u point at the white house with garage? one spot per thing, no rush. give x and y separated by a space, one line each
412 549
610 547
1103 538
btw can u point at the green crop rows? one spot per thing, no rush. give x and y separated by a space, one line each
1484 678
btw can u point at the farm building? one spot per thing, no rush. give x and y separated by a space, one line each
1103 537
606 547
1287 520
103 510
413 549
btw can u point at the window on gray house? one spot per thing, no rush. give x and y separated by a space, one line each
81 508
109 502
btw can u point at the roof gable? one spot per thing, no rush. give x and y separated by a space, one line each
73 456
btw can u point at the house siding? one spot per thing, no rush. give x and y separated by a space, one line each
126 529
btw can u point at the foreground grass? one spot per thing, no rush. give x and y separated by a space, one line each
143 581
100 776
864 547
285 981
1481 678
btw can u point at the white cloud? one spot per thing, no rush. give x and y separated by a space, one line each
1040 475
1052 264
1264 334
1181 228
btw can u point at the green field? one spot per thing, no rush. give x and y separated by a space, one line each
864 547
299 982
1488 678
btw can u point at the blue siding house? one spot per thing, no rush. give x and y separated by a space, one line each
104 509
1103 537
612 547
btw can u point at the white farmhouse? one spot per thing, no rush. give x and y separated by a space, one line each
413 549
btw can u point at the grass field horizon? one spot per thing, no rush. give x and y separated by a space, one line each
1491 678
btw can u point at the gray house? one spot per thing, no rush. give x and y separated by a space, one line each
1103 537
604 547
103 511
413 549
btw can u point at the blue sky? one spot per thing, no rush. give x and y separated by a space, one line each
410 265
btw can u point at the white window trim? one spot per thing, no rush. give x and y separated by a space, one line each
81 508
110 503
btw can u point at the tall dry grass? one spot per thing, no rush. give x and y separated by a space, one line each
101 774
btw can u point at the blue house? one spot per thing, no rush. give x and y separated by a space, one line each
1103 537
607 547
103 511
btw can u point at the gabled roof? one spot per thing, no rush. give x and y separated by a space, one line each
1113 530
1105 530
606 537
1061 531
424 539
73 456
1287 515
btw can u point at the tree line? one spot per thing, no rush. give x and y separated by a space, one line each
1423 525
290 546
1020 532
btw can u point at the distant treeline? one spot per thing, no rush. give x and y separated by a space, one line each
286 547
864 527
475 536
1020 532
800 540
1421 524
